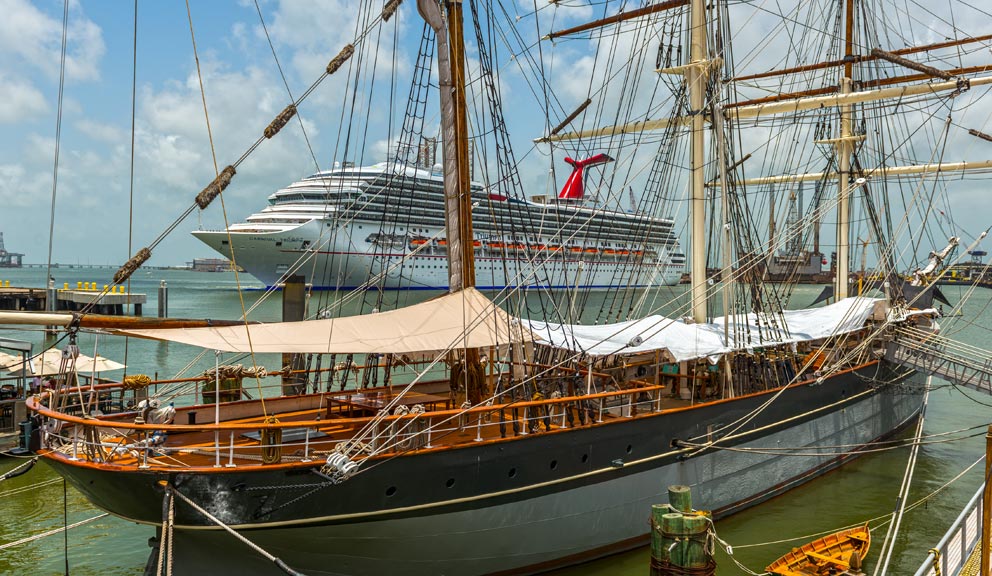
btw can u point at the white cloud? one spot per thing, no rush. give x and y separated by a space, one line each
21 100
101 132
33 37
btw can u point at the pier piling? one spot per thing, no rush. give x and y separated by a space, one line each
163 301
679 537
294 309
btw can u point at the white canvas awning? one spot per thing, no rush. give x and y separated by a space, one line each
465 319
689 341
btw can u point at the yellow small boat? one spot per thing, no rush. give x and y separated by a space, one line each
838 553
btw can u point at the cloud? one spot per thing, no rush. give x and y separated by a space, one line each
21 100
29 35
101 132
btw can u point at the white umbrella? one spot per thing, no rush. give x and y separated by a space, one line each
10 361
86 364
47 363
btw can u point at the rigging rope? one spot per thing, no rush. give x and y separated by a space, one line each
214 189
888 545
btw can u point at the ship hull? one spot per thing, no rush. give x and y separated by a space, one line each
343 259
519 506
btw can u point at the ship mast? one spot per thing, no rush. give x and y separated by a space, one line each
844 149
695 75
447 25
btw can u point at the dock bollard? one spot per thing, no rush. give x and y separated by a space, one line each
679 537
163 300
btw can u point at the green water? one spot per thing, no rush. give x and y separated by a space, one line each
862 490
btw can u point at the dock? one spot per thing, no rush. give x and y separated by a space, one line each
36 299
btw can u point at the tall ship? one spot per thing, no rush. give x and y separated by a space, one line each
474 434
342 228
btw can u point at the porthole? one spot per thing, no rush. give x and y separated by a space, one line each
585 458
391 490
554 464
629 448
450 482
512 473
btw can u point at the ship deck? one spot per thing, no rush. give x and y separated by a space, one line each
297 430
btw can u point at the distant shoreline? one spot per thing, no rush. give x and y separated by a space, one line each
99 266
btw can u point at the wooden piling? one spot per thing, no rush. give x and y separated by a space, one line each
294 309
679 537
680 498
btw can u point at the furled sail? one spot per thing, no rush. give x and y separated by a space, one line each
707 340
465 319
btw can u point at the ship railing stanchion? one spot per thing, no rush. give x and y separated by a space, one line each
430 427
144 454
230 453
306 447
75 444
216 408
525 429
478 427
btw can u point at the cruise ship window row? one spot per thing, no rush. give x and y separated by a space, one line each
424 218
500 209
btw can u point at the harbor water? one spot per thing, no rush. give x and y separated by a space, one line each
865 489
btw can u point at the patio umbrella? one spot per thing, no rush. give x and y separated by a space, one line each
47 363
87 364
9 361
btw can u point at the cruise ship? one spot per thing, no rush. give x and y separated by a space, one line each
383 226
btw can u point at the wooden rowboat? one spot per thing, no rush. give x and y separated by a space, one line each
838 553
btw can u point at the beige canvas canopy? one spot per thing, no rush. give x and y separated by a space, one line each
465 319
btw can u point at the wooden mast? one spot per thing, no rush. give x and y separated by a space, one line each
844 150
457 185
695 75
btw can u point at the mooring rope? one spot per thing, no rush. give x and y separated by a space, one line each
51 532
282 565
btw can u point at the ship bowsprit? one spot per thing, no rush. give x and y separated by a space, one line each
930 353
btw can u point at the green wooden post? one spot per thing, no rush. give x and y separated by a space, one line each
678 538
671 526
658 546
694 541
680 497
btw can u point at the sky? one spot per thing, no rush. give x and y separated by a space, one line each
244 90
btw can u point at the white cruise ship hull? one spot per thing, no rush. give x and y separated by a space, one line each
343 258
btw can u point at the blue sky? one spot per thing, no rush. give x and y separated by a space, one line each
244 92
